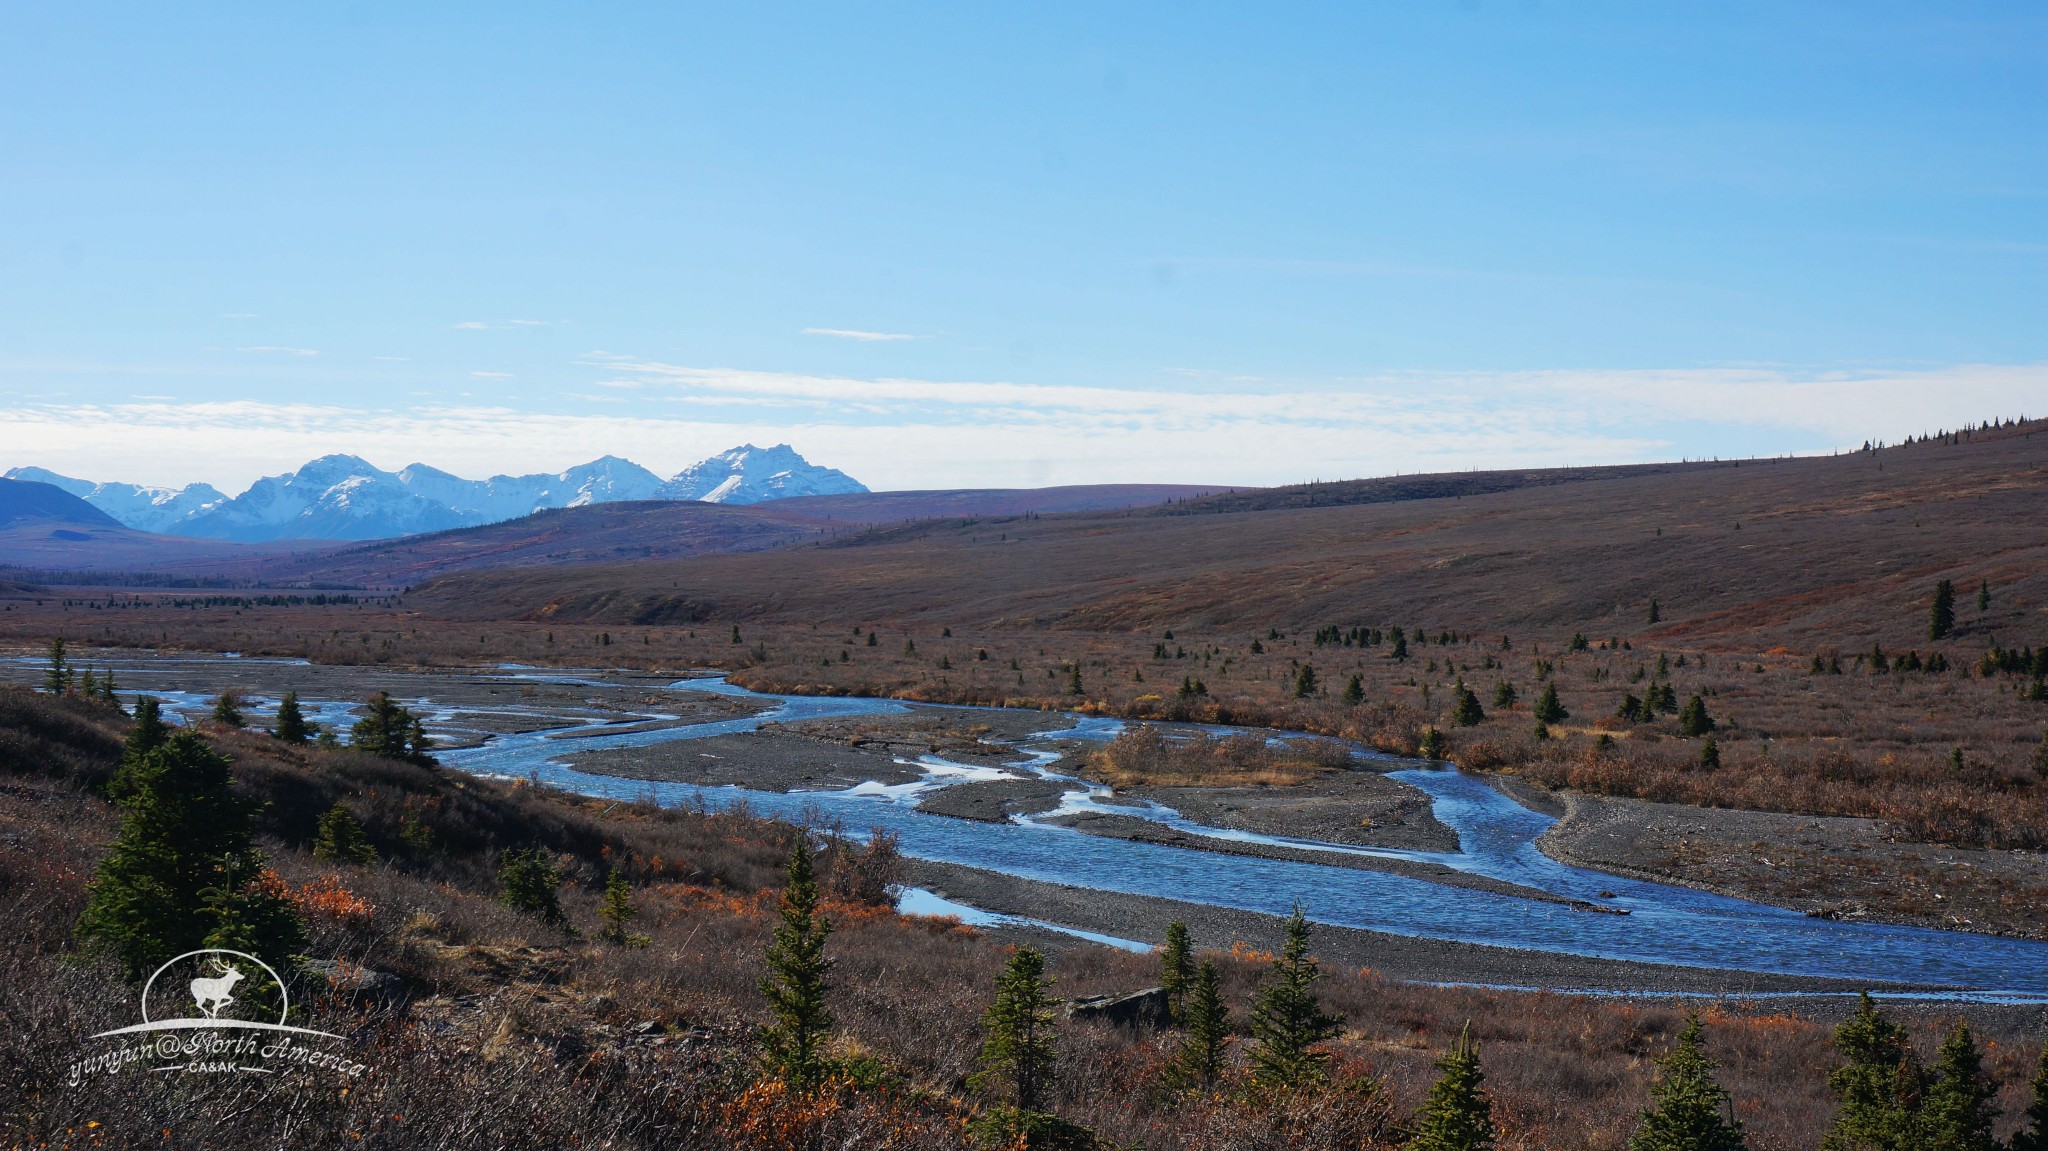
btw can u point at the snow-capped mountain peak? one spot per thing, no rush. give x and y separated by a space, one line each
345 497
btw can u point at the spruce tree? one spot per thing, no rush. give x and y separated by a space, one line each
391 731
1687 1105
1288 1024
616 910
1961 1104
2034 1136
1354 691
1017 1049
57 676
341 839
1984 596
88 684
1549 709
1305 682
182 873
1655 615
291 722
1176 966
1942 619
793 1043
529 882
1467 713
148 733
107 695
1877 1088
1457 1115
227 710
1694 721
1400 648
1504 694
1198 1063
1710 755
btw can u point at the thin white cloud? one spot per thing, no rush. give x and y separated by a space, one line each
494 375
857 334
266 349
894 433
473 326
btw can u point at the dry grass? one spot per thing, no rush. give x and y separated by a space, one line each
1144 757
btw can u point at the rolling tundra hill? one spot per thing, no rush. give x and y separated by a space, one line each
1841 549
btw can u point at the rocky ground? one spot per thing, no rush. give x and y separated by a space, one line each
1839 868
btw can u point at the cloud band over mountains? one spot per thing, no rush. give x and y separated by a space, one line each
910 433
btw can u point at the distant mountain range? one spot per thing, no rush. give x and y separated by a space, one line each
342 497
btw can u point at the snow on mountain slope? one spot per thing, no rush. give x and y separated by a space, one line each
344 497
144 508
750 475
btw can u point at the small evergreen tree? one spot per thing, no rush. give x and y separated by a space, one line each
1074 678
528 882
1984 596
291 722
107 695
182 874
391 731
1655 615
1432 743
227 710
89 684
1176 966
1549 709
1467 712
2034 1136
1198 1063
148 733
57 676
1504 694
1687 1104
1877 1089
1960 1105
1354 691
1305 682
1288 1024
617 911
1694 720
793 1044
1017 1049
1710 755
1457 1115
341 839
1400 647
1941 619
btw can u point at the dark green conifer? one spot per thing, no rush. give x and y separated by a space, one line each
1710 755
1549 709
617 911
291 722
1289 1026
1198 1064
1017 1048
1942 619
1694 721
1984 596
1354 691
1960 1105
227 710
341 839
1176 966
1074 678
1400 647
57 675
528 882
1432 743
392 731
1504 694
146 735
1467 712
1457 1115
1305 682
1655 615
1878 1088
182 874
2034 1136
793 1044
1687 1107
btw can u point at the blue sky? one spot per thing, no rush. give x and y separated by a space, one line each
1176 242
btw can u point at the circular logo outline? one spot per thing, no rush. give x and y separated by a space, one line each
283 993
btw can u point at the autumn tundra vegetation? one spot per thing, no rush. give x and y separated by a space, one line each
1857 636
471 938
